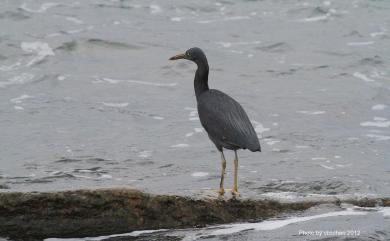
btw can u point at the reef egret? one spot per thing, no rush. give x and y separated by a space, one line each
224 119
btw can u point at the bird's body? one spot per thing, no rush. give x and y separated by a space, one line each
223 118
226 122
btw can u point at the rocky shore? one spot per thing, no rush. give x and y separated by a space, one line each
80 213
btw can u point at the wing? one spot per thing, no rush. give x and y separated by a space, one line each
226 121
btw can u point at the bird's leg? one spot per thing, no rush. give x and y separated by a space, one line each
221 189
235 185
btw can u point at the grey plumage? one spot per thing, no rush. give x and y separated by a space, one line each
226 122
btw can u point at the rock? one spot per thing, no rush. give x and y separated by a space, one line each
83 213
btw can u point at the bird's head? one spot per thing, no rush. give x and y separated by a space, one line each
194 54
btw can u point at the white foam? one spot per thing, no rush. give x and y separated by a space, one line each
317 112
105 176
276 224
272 142
43 8
375 73
189 108
378 122
81 176
74 31
116 81
51 35
343 165
193 113
61 77
74 20
385 211
301 147
362 77
379 118
189 134
235 51
318 158
193 118
198 130
327 167
17 107
315 19
259 128
144 154
158 117
378 107
360 43
17 80
132 234
378 137
40 48
78 170
154 9
379 33
352 138
116 104
176 19
10 67
20 99
234 18
181 145
229 44
200 174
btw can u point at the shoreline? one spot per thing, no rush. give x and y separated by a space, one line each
70 214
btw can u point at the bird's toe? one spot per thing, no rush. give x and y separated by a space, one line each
221 191
235 193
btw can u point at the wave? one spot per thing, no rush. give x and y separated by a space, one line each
276 47
16 16
111 44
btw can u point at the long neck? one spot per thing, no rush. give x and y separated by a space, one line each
201 78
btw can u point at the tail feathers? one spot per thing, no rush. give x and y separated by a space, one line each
256 148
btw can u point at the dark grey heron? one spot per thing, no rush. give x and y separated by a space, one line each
224 119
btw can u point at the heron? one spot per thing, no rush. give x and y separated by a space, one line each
223 118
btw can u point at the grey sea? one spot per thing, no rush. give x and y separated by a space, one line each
89 99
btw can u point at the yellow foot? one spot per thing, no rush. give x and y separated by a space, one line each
235 193
221 191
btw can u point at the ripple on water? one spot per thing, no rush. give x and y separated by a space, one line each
20 99
181 145
199 174
378 137
328 187
112 44
279 47
43 8
315 112
99 80
379 107
41 49
378 122
363 77
15 16
116 104
17 80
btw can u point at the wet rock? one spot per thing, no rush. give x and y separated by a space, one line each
107 211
